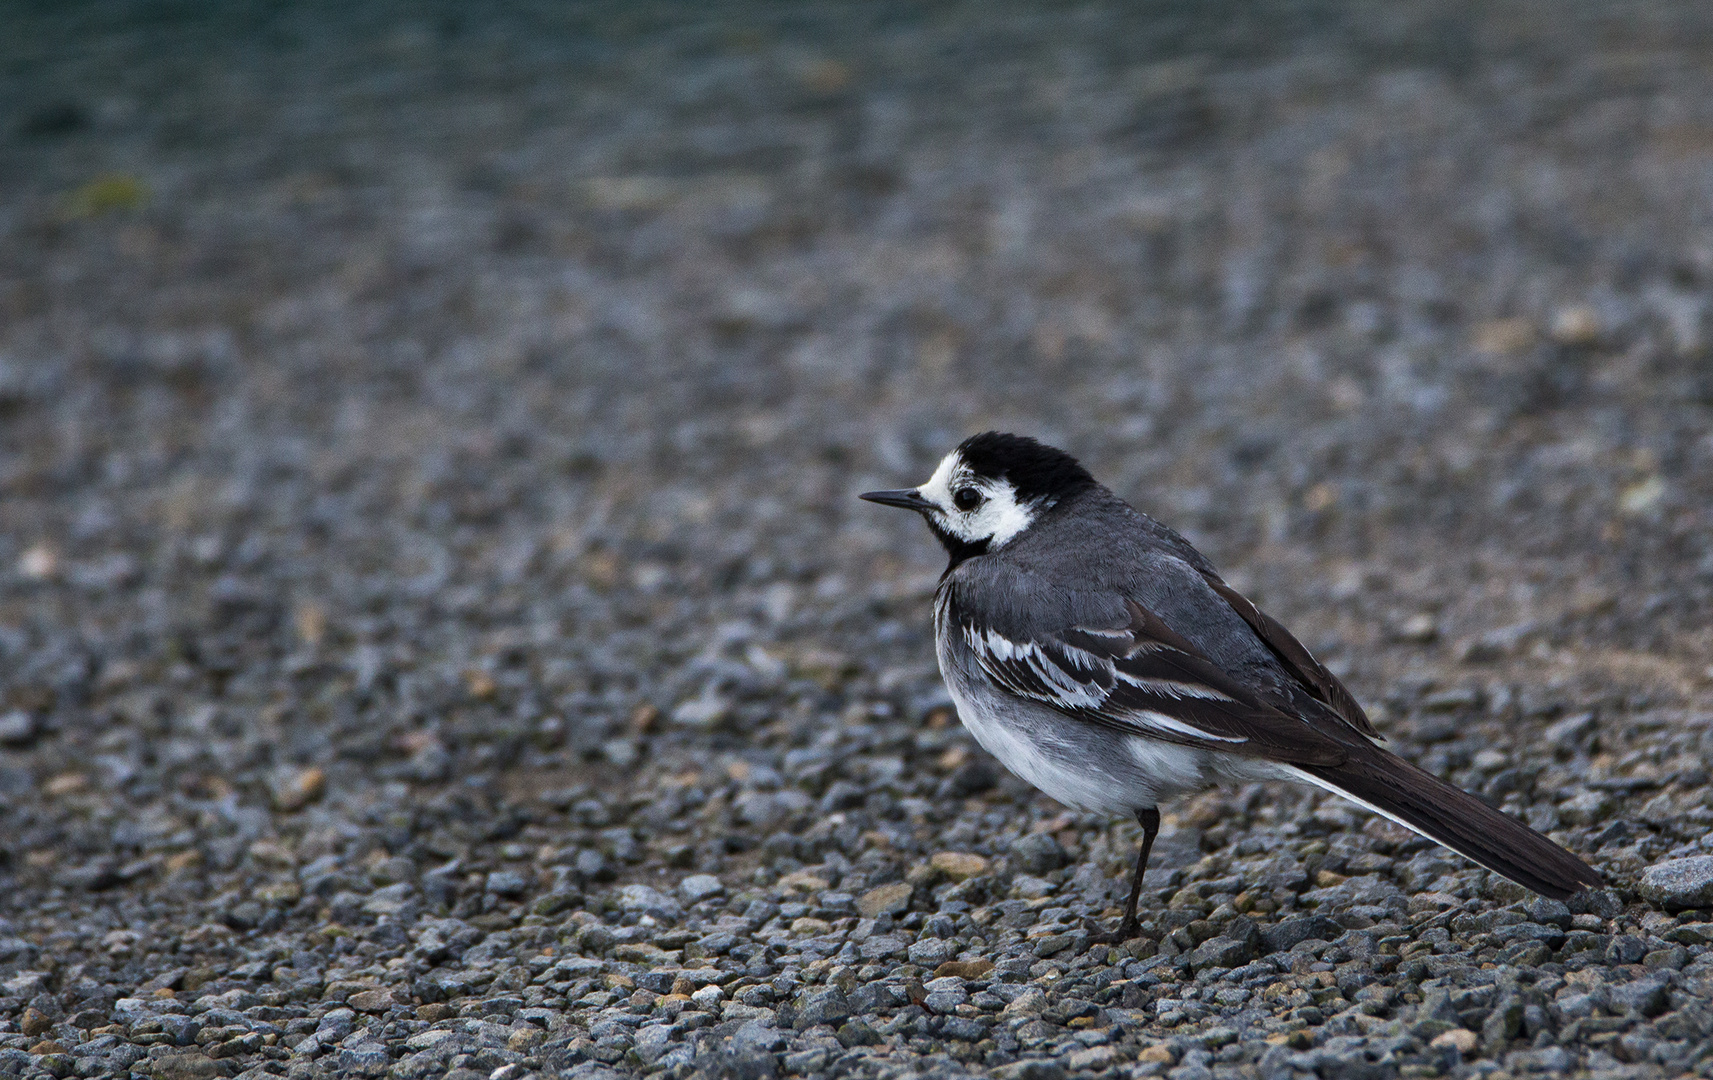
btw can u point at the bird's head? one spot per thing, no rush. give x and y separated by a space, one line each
989 491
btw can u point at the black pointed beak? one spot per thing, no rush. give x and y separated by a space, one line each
905 498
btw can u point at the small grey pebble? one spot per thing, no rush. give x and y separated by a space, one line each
17 728
699 887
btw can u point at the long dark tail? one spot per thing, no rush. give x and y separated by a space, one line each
1393 787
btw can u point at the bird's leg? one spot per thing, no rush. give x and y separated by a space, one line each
1128 927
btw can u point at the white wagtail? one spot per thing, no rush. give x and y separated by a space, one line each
1100 657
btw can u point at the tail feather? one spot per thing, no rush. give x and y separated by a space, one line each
1395 789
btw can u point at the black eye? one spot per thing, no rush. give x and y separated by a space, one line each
966 498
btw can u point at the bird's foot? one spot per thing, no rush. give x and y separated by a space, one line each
1127 929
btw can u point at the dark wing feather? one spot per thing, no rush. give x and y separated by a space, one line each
1320 683
1145 679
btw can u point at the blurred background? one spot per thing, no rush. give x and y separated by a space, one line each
406 398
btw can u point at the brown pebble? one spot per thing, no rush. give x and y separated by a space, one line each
311 621
964 969
47 1046
645 719
889 899
1462 1038
482 685
66 783
300 790
435 1011
1577 325
371 1001
34 1022
198 977
524 1039
958 865
916 991
1503 337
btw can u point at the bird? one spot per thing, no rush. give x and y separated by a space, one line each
1103 659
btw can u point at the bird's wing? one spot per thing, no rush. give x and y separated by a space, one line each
1320 683
1142 678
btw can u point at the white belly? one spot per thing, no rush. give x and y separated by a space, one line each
1156 770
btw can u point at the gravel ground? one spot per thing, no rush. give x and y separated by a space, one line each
438 636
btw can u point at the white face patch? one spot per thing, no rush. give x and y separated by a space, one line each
997 518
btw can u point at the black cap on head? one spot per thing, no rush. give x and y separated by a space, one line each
1034 469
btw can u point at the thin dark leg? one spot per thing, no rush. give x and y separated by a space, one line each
1129 926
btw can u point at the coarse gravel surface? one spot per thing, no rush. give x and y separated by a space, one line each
438 636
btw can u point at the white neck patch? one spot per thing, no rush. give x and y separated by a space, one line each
998 518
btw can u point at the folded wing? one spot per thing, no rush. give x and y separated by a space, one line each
1144 678
1310 673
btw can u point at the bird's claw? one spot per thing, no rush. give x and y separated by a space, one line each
1127 929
